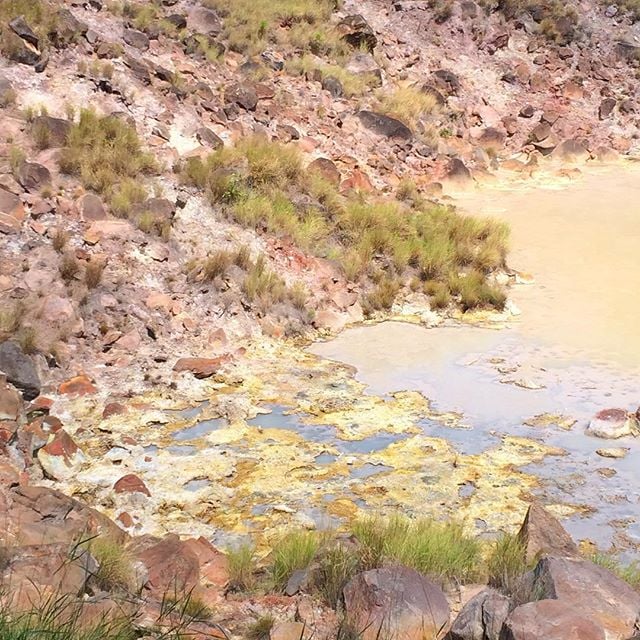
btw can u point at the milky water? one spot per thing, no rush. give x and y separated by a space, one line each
574 349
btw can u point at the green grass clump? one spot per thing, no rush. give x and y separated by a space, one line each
251 25
438 549
337 564
262 285
294 551
242 567
630 573
261 628
115 569
107 155
381 243
507 563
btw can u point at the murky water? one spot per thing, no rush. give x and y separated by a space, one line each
575 348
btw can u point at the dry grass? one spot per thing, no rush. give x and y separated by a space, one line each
217 264
69 267
242 567
115 570
107 155
407 104
251 25
261 628
353 85
59 239
93 273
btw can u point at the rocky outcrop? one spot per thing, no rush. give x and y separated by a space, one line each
541 534
394 603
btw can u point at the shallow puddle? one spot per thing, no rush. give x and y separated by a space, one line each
199 430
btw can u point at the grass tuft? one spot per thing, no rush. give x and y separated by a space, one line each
507 563
294 551
242 566
630 573
261 628
115 569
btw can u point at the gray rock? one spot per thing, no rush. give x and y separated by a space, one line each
457 171
204 21
136 39
242 94
209 138
33 176
56 128
482 617
19 369
364 64
384 125
333 86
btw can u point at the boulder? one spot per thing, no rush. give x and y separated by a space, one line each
550 620
19 369
457 172
333 86
243 94
131 483
172 566
482 617
613 424
542 534
56 129
68 28
91 208
290 631
24 45
357 32
446 81
606 108
364 65
10 401
384 125
491 138
21 28
326 169
61 457
136 39
208 138
11 212
204 21
33 176
395 603
7 93
540 132
79 385
571 150
590 591
200 367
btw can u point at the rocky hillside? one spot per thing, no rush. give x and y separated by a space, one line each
189 191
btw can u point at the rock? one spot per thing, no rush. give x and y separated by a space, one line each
80 385
355 30
606 108
204 21
33 176
613 424
290 631
541 533
57 129
214 565
613 452
10 401
596 594
200 367
446 81
333 86
91 208
20 27
571 151
67 29
11 212
242 94
541 132
527 111
7 93
61 456
19 369
550 620
208 138
384 125
171 565
136 39
326 169
395 602
482 617
491 138
364 65
131 483
457 172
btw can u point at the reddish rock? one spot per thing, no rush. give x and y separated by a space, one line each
214 565
131 483
171 565
542 534
33 176
11 212
113 409
79 386
10 401
201 367
326 169
396 602
91 208
550 620
125 520
61 457
357 181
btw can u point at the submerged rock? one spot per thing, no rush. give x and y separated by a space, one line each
613 424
